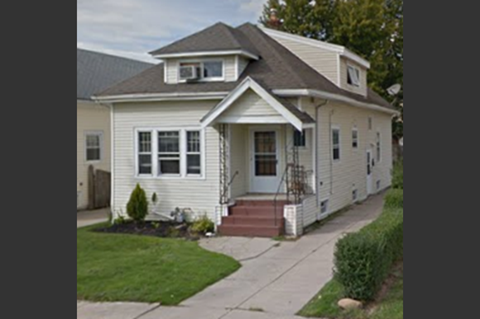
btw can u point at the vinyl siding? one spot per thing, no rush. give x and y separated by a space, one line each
343 77
250 105
323 61
199 194
338 179
171 67
242 65
91 117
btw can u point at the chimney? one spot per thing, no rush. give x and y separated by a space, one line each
274 22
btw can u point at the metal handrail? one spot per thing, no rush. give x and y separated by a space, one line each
225 189
285 173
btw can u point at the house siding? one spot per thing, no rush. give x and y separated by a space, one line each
171 68
242 65
337 180
201 194
95 118
251 105
343 77
323 61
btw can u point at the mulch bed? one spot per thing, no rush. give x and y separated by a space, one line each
156 229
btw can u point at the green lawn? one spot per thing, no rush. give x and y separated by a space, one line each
324 305
113 267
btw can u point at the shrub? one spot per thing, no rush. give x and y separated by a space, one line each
137 207
394 198
364 259
397 176
203 225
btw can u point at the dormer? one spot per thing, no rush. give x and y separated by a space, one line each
341 66
216 54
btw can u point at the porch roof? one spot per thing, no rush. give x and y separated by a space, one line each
287 110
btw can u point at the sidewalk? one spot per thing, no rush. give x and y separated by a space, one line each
275 281
92 217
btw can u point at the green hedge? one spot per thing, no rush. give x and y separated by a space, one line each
394 198
364 259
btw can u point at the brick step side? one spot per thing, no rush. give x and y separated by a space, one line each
246 220
249 231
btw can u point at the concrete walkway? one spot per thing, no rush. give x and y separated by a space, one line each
275 282
92 217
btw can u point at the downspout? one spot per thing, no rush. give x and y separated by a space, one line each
317 148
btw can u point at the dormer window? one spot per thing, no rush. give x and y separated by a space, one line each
211 70
353 76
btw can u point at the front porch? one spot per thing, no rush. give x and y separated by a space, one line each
266 171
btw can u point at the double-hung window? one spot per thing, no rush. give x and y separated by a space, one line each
168 153
194 153
93 146
336 144
144 153
353 76
379 148
355 138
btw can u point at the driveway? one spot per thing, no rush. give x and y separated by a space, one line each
277 278
92 217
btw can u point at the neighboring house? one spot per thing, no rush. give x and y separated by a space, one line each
96 72
261 130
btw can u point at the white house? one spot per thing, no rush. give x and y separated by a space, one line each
95 72
263 131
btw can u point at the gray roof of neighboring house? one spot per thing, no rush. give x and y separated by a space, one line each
98 71
277 68
219 37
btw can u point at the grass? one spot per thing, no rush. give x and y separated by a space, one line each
389 306
113 267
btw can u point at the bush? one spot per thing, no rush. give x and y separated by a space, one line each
137 207
394 198
203 225
397 176
363 259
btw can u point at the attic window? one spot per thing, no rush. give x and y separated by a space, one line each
201 71
353 76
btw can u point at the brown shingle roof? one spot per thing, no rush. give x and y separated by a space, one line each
277 69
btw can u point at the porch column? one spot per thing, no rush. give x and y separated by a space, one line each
224 152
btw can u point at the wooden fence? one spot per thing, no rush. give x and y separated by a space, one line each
98 188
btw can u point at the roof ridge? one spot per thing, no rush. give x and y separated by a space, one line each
271 43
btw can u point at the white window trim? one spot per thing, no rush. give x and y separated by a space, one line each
355 129
359 73
96 133
183 156
337 128
201 61
137 154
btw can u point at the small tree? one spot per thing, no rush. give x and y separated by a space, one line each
137 207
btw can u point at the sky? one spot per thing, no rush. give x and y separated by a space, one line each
132 28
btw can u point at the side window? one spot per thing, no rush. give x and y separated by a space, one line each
93 146
355 138
299 138
336 144
144 153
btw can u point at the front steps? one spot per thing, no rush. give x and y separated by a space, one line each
254 218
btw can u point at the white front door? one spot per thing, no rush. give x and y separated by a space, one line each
369 173
264 161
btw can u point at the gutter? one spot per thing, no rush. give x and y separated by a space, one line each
161 97
334 97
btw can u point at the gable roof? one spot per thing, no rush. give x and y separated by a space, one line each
97 71
291 113
219 37
277 69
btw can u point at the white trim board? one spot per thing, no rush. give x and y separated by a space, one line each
162 97
249 83
205 53
342 51
333 97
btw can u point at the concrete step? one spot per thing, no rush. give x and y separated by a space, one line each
246 220
250 231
